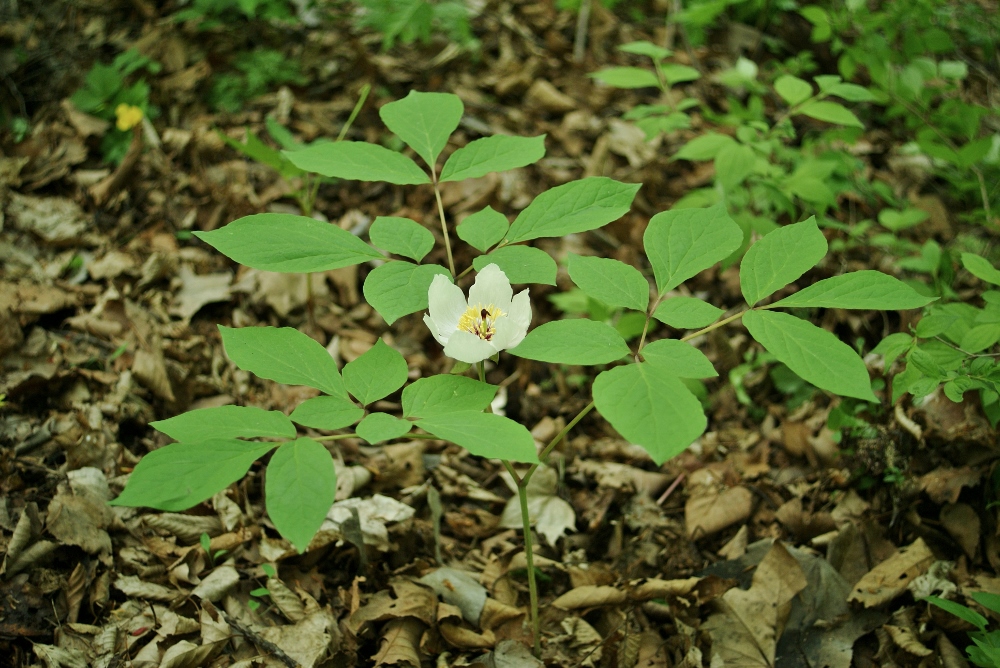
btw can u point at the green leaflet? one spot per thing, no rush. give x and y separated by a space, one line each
327 412
626 77
285 243
650 408
830 112
226 422
573 207
813 353
358 161
444 393
376 374
681 243
521 264
401 236
793 90
579 341
182 475
733 164
284 355
858 290
300 487
981 268
399 288
678 358
498 153
379 427
780 258
483 229
424 121
484 434
705 147
609 281
686 313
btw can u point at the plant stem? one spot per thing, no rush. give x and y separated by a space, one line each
529 554
706 330
482 371
444 224
354 112
645 325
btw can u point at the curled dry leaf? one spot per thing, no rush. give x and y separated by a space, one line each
890 578
590 596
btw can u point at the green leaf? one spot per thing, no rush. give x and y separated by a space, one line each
650 408
573 207
960 611
327 412
686 313
866 289
358 161
815 354
893 346
674 73
444 393
932 325
424 121
398 288
285 243
780 258
484 434
483 229
981 268
793 90
614 283
379 427
900 220
492 154
182 475
831 112
577 341
299 489
226 422
376 374
678 358
521 264
851 92
705 147
682 242
284 355
645 48
733 164
402 236
980 338
626 77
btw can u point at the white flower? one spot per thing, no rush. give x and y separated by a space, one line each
490 321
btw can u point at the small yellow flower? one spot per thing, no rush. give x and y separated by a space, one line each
128 116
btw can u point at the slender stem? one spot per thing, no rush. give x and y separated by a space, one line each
333 437
645 325
706 330
559 437
529 557
354 112
444 225
482 371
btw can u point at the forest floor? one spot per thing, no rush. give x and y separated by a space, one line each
766 540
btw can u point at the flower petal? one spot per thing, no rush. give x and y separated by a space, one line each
468 348
506 331
434 330
520 317
446 304
491 287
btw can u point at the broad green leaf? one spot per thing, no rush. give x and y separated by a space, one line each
424 121
866 289
986 599
793 90
573 207
682 242
226 422
376 374
900 220
492 154
182 475
614 283
358 161
678 358
675 74
650 408
257 150
645 48
285 243
780 258
299 489
980 338
483 229
934 324
379 427
626 77
893 346
521 264
402 236
484 434
686 313
814 354
733 164
960 611
851 92
395 289
579 341
705 147
831 112
284 355
327 412
444 393
981 268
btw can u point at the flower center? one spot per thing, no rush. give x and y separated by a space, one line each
480 320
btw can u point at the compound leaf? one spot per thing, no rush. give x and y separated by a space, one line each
379 372
402 236
300 487
226 422
284 355
424 121
579 341
866 289
492 154
358 161
399 288
484 434
681 243
614 283
446 393
573 207
327 412
780 258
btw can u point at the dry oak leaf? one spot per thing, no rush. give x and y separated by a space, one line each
400 642
944 485
890 578
709 511
590 596
407 599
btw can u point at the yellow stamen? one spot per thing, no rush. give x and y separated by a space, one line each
128 116
480 320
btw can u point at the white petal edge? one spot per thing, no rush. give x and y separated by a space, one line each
445 304
443 340
491 287
506 332
520 317
468 348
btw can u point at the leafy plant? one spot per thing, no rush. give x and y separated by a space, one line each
215 13
258 71
985 650
641 390
107 94
412 21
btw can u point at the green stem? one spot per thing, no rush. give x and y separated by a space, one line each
354 112
444 225
482 371
645 325
706 330
529 555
